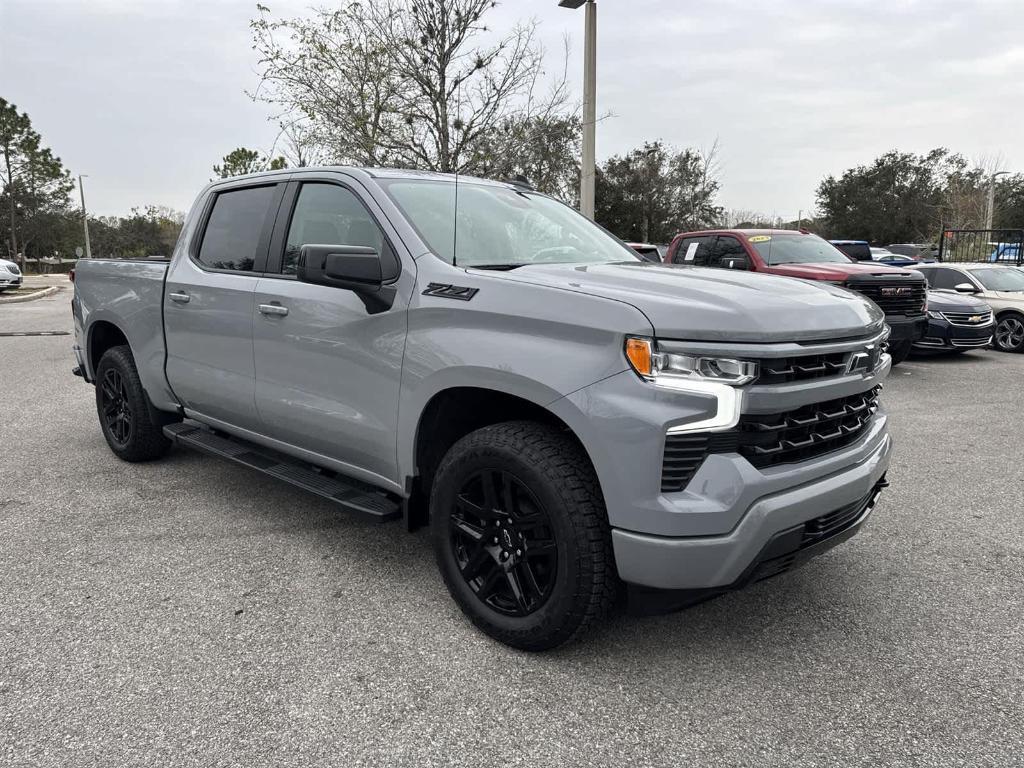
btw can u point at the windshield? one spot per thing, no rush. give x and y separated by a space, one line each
499 226
796 249
995 279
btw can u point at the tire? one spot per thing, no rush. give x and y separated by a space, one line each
545 513
1009 333
900 351
123 409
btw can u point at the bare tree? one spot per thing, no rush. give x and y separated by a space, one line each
403 82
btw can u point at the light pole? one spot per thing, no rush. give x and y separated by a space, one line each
991 207
85 216
589 102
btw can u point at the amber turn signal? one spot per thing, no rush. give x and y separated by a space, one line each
639 354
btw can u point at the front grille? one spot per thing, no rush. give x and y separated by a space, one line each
909 300
971 343
769 439
809 431
969 318
13 268
782 370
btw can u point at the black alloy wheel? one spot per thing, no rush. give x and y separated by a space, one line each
1009 334
131 426
115 407
503 543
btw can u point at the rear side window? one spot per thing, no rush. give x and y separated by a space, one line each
693 250
234 228
944 278
326 214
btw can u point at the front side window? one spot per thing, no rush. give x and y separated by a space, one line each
945 279
498 227
1000 278
234 228
326 214
726 248
797 249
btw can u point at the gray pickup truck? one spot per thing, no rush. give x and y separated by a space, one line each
573 423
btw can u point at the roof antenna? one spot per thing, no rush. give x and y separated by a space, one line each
455 223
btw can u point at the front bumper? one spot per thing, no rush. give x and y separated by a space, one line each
942 335
771 529
9 281
906 328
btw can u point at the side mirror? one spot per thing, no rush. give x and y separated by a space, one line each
356 267
735 262
964 288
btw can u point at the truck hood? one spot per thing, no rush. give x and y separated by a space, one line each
836 271
693 303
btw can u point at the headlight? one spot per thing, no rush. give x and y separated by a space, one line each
935 315
655 366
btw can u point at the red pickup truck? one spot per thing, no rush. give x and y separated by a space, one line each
901 293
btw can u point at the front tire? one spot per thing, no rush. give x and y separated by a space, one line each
1009 333
521 535
900 351
123 409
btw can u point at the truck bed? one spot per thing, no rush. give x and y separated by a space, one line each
129 294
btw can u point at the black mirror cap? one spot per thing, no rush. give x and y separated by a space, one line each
343 266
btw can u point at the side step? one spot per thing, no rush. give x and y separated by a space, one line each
359 498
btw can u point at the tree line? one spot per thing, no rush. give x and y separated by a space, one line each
424 84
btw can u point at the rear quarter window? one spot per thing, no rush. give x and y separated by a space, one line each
234 228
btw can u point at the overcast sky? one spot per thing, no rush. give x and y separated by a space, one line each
145 96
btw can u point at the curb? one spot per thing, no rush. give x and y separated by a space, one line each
37 295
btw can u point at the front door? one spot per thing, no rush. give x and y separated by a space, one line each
328 366
208 306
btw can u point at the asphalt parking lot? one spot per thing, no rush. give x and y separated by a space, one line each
190 612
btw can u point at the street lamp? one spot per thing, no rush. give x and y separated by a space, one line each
85 216
589 102
990 209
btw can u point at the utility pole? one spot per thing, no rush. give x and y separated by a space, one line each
991 207
85 217
587 171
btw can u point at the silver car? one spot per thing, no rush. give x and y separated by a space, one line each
1000 286
10 275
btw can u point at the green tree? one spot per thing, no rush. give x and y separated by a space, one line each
653 192
241 161
34 185
902 197
1009 202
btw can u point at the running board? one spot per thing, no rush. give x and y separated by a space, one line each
359 498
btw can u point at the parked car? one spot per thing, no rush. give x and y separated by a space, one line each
999 286
649 252
881 254
895 259
923 252
566 416
1006 252
858 250
900 293
956 323
10 275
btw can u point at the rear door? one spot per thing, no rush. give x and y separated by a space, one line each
328 363
208 304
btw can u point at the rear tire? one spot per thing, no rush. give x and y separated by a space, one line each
521 535
900 351
1009 333
123 409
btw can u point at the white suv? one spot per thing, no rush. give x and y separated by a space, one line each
1000 286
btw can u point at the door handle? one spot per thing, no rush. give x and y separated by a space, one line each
273 309
180 296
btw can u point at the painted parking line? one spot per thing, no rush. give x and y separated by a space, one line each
35 333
